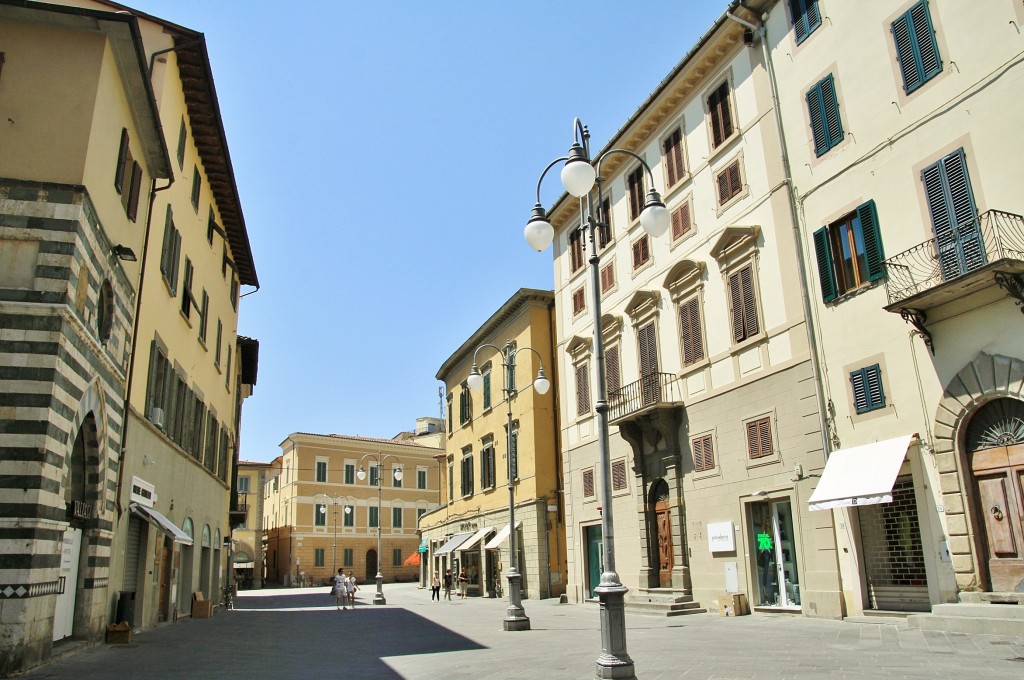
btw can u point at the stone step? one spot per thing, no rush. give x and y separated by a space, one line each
665 608
988 611
984 625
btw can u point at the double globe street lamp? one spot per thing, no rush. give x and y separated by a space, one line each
335 502
580 175
378 597
515 616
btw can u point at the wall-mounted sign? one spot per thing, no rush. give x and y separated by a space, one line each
721 537
143 492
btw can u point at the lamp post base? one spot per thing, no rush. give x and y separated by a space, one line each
378 597
614 661
515 615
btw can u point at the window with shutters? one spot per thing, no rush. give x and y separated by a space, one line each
170 254
849 252
487 386
917 50
514 447
348 516
450 402
608 277
197 185
319 515
350 473
346 557
579 301
588 483
743 304
582 390
128 177
396 557
374 516
212 228
575 250
318 557
487 467
182 136
188 300
204 311
759 438
321 471
729 182
465 405
868 393
618 475
421 479
823 110
396 520
467 472
641 251
954 213
672 153
806 18
720 115
604 223
647 349
703 450
682 222
612 372
691 331
635 192
220 338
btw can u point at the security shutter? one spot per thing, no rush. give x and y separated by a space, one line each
131 555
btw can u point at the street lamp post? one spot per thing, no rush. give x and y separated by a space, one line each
335 500
378 597
515 616
580 175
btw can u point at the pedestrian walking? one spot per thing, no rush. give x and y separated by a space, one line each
463 584
351 588
435 588
338 588
448 584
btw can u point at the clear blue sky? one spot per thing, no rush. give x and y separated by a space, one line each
387 156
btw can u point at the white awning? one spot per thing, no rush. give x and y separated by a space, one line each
161 522
453 543
475 538
244 565
862 475
500 537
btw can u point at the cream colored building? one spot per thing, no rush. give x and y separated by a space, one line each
318 516
471 529
712 395
247 531
900 119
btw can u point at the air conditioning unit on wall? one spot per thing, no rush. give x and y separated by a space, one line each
156 416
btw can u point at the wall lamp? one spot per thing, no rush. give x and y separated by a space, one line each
125 253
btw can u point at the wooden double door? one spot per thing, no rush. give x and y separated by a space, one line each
999 486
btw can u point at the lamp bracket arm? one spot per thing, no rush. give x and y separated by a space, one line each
581 135
600 159
552 164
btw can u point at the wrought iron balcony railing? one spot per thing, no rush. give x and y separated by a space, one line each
994 236
651 390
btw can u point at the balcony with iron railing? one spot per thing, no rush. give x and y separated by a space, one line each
649 392
965 259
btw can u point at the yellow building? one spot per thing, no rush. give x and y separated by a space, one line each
319 516
471 530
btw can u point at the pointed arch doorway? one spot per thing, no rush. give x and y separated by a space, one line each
994 444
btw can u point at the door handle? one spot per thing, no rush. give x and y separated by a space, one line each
997 513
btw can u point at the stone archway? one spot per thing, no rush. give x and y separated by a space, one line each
985 379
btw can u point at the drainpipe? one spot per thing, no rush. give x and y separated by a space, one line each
761 35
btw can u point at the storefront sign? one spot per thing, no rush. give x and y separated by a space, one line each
143 492
721 537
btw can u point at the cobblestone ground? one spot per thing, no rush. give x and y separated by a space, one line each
298 633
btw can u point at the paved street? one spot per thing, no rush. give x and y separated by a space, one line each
299 634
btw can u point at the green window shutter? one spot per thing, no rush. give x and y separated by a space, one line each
916 47
868 394
487 390
826 274
806 18
823 109
873 252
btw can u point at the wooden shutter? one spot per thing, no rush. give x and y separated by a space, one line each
608 277
135 191
122 162
612 374
721 119
588 483
823 108
826 272
954 216
650 388
672 149
575 250
690 331
729 182
582 390
759 438
641 251
604 230
806 18
618 475
635 186
703 454
487 390
681 220
916 48
874 254
744 304
868 394
578 301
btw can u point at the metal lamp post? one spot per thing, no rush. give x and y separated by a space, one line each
580 176
335 500
378 597
515 616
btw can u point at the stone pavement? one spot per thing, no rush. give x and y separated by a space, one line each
298 633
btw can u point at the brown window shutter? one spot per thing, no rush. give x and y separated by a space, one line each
635 185
723 187
618 475
607 277
133 195
672 148
611 369
759 438
726 112
735 185
703 454
582 390
122 162
736 302
750 325
681 220
690 329
578 301
588 483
